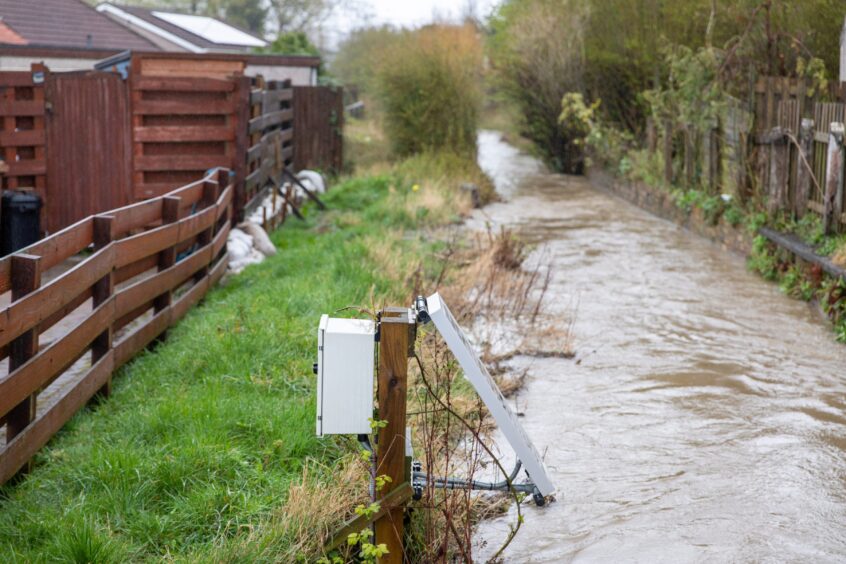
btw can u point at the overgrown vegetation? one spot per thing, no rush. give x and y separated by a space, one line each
206 450
424 85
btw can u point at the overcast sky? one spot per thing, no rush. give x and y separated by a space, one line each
419 12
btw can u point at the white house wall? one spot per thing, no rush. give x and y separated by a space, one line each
300 76
55 64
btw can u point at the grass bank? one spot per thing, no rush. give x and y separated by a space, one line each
206 449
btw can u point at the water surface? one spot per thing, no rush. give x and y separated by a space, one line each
703 418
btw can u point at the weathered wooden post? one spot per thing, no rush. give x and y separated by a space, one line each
779 165
689 156
668 152
803 164
101 293
834 176
25 278
396 341
167 257
651 136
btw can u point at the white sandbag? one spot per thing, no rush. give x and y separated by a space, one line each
254 257
261 241
239 245
312 180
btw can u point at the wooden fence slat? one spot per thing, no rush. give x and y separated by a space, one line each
26 444
35 307
19 108
179 84
179 162
42 368
132 344
27 137
181 134
144 244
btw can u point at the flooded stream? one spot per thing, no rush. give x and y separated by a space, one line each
704 417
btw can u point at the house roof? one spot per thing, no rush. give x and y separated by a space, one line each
9 35
66 23
181 26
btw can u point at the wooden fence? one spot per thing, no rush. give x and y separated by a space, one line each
23 138
785 147
269 140
68 326
91 141
318 128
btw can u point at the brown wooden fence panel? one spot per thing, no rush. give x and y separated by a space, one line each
22 139
268 140
183 123
318 128
88 170
100 318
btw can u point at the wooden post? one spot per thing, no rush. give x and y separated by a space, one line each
396 331
101 292
779 166
689 157
25 278
715 166
668 152
651 136
211 191
803 172
167 257
834 175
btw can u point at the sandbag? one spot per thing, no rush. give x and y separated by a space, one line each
312 180
261 241
239 245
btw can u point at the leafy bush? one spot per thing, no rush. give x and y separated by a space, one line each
429 90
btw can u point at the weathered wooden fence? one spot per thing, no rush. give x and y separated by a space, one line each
23 138
91 141
784 147
269 140
69 325
318 128
89 156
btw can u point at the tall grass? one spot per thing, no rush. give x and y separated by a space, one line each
429 87
206 449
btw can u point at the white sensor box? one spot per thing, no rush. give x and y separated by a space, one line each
345 364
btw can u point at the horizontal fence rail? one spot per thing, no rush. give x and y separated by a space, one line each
69 323
785 147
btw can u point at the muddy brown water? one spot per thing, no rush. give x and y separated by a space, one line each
704 417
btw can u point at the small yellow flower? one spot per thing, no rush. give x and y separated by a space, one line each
415 188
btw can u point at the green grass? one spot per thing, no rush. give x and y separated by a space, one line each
203 436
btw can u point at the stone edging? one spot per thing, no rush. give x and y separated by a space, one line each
661 203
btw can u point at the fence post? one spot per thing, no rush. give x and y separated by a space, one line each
396 329
25 278
779 166
689 157
715 161
834 176
100 293
211 191
803 171
668 152
167 257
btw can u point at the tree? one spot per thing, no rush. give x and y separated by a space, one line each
302 15
250 15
